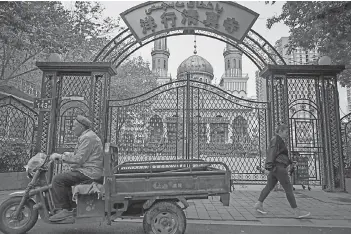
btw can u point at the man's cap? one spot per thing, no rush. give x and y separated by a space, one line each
84 121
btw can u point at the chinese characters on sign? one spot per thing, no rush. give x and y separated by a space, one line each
148 24
169 185
227 19
231 25
212 20
168 16
190 16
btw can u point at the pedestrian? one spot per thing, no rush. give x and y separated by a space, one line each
86 164
277 161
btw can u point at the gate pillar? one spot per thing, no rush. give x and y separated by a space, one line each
69 89
305 97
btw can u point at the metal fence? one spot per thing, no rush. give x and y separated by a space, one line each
18 123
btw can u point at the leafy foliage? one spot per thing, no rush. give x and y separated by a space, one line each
325 25
31 30
13 156
133 78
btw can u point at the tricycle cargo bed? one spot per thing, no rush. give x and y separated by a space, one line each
183 182
168 178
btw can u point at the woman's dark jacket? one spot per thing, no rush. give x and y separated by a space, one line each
277 153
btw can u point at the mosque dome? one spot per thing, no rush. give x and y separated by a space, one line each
195 64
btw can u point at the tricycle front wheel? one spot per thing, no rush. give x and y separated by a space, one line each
164 218
25 220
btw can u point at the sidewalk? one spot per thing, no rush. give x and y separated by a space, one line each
327 209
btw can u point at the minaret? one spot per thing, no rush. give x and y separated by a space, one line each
232 61
160 55
233 79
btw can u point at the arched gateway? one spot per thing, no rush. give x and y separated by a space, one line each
188 118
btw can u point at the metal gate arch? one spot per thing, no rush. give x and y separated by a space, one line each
188 119
253 45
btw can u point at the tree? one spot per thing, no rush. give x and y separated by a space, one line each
32 30
322 25
133 78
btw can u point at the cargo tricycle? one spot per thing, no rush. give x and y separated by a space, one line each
156 191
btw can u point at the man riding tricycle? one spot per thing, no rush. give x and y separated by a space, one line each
96 189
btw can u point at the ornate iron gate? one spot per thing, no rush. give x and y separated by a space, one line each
305 122
306 98
17 134
73 88
188 119
346 142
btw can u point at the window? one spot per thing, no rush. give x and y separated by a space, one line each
234 63
164 64
239 64
155 129
240 127
228 64
218 133
153 64
158 63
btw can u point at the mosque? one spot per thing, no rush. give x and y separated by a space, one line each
232 80
221 124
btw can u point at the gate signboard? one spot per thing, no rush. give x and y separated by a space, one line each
225 18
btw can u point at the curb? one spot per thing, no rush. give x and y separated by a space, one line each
277 223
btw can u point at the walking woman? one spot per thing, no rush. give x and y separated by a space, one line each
277 162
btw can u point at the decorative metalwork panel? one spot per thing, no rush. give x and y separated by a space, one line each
305 131
98 104
346 140
76 86
191 121
308 98
279 101
74 92
46 92
17 134
332 107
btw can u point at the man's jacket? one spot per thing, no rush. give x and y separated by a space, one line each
277 152
88 153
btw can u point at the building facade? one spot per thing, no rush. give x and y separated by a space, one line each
233 79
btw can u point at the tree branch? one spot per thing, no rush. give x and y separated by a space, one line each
23 62
21 74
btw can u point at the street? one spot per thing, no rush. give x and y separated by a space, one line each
136 228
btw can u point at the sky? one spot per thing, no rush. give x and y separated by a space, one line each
181 47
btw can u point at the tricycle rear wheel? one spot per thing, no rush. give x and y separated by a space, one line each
26 218
164 218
